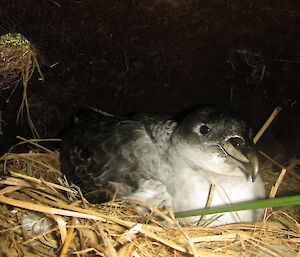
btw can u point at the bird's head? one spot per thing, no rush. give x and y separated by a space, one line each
217 140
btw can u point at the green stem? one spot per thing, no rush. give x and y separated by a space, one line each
260 204
38 68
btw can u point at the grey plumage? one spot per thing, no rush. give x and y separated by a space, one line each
164 162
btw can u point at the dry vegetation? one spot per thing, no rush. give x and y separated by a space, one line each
33 188
17 64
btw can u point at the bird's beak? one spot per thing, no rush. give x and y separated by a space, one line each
249 160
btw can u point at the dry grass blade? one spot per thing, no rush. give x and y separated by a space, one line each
40 182
35 142
267 124
110 250
274 189
68 240
277 184
31 159
46 209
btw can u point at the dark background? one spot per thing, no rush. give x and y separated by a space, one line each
159 57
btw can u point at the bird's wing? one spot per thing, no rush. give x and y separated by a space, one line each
107 153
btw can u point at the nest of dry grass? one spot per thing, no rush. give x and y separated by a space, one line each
16 60
33 186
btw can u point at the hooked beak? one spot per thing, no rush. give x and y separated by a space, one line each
249 161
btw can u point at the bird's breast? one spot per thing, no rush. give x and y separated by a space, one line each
191 190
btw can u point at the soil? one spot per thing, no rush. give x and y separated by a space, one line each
159 57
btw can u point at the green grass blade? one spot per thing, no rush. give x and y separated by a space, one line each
260 204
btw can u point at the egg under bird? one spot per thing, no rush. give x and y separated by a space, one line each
167 163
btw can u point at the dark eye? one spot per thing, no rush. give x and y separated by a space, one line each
236 141
204 129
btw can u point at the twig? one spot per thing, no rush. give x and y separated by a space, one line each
1 122
209 201
272 160
274 189
267 124
66 246
277 184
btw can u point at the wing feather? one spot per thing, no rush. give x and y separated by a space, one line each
107 153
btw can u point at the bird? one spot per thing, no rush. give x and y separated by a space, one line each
206 157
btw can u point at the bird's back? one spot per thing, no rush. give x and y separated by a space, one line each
109 154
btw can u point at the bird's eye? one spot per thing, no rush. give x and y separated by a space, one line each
236 141
204 129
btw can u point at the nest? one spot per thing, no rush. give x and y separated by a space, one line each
64 223
18 59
